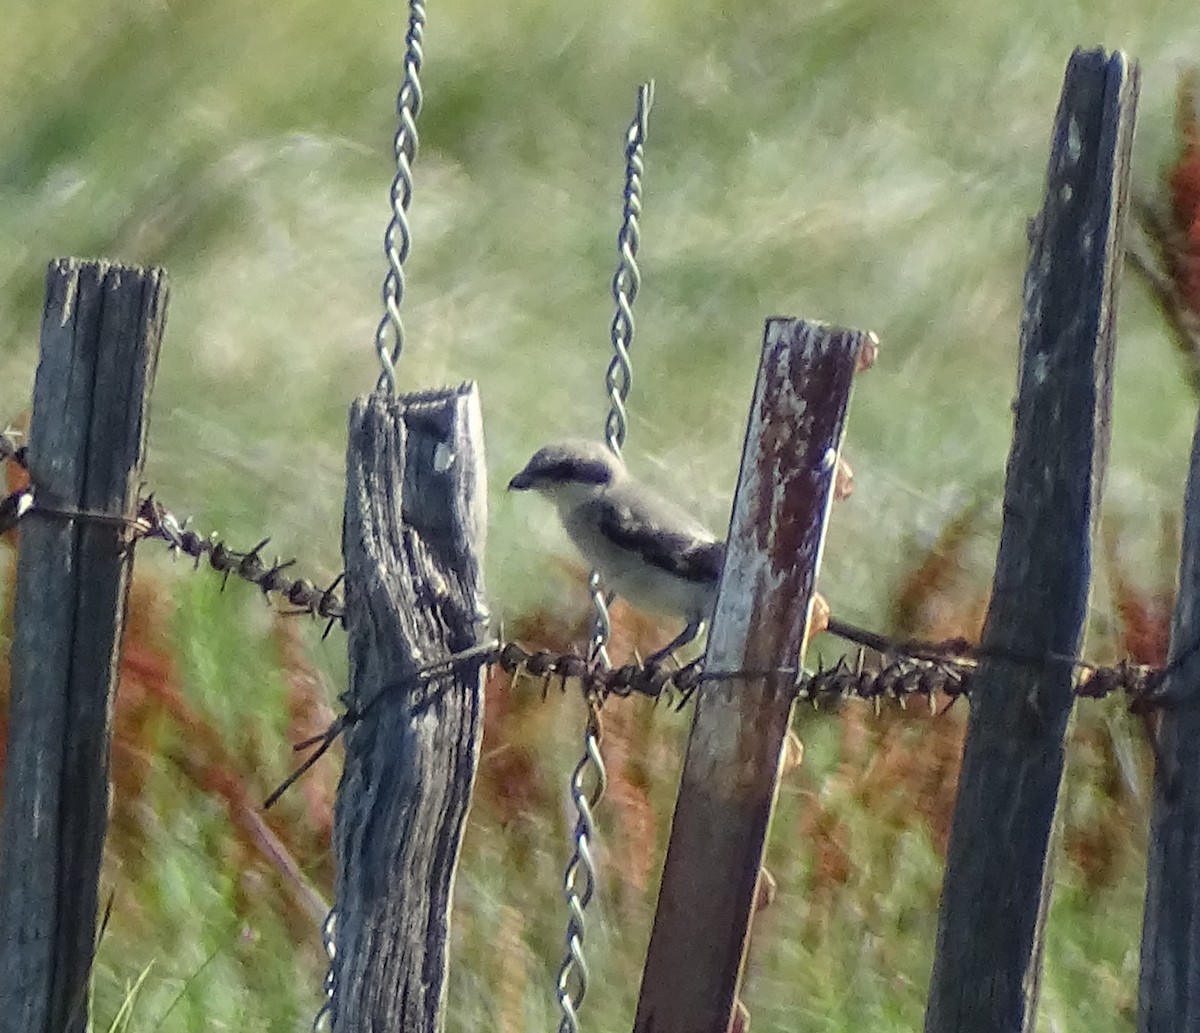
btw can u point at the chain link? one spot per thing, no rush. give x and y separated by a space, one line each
397 239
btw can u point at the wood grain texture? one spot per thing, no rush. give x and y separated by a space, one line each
101 330
413 540
996 888
731 771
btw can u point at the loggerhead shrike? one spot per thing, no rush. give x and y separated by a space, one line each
646 549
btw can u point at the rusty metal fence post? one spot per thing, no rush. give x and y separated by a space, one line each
731 771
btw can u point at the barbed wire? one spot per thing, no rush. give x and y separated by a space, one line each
941 672
155 521
902 670
905 669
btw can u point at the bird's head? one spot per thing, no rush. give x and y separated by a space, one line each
569 472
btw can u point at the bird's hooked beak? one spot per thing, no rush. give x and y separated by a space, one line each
523 481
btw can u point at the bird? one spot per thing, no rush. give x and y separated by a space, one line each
647 550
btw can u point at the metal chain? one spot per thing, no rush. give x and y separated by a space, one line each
589 779
397 239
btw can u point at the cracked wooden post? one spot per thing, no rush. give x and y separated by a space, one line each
997 884
101 330
731 771
413 540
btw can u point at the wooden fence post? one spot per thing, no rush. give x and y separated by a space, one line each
1169 990
413 543
101 331
731 771
987 966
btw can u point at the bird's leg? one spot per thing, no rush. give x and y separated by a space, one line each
689 634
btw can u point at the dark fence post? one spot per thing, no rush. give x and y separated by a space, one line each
101 331
996 890
413 542
1169 992
731 771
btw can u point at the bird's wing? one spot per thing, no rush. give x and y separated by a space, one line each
664 538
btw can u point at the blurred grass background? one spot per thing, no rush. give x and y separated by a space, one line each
867 163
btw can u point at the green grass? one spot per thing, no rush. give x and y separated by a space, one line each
869 163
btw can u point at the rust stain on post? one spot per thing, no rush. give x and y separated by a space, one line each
784 498
731 771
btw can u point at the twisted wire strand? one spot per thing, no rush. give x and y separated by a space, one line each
397 238
590 778
579 881
627 279
588 783
323 1020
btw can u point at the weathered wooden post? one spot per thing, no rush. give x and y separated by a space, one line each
731 771
101 331
987 967
1169 991
413 542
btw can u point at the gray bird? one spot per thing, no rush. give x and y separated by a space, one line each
647 550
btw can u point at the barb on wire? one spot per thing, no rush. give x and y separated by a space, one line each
11 448
893 676
322 742
397 238
156 521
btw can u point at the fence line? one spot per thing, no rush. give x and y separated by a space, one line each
884 670
413 713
